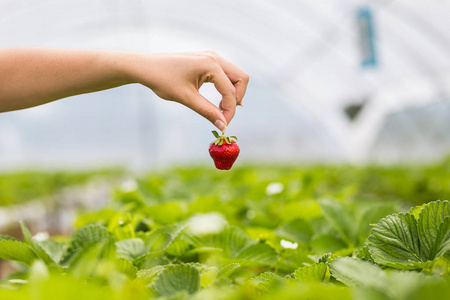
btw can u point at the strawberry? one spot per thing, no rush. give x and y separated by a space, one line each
224 151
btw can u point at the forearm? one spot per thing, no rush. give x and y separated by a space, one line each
33 76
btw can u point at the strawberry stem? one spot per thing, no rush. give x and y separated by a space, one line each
220 139
215 134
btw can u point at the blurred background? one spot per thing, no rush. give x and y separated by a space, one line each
348 100
331 81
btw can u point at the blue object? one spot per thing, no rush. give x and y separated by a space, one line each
367 38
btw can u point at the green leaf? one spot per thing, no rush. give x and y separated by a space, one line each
406 285
258 255
36 247
125 266
54 249
314 272
148 262
215 134
131 249
394 242
149 275
433 228
443 239
176 278
160 239
363 253
291 259
26 233
4 237
203 250
18 251
355 272
297 230
168 212
327 243
268 281
227 270
372 215
88 234
341 218
233 137
416 210
320 224
38 272
370 293
159 242
86 259
232 240
402 241
199 266
378 283
208 276
326 258
178 247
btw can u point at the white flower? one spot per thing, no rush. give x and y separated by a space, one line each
41 236
18 281
206 223
287 244
129 186
274 188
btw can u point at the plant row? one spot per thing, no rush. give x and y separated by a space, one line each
252 233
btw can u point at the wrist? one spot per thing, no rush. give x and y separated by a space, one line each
120 66
132 67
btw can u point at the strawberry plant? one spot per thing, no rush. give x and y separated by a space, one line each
251 233
22 186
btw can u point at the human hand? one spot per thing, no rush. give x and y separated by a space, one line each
179 76
51 74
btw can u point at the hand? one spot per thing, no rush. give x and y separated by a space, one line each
34 76
179 76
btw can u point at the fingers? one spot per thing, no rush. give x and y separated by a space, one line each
202 106
189 72
238 77
241 88
228 92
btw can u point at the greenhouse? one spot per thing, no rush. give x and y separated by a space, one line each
331 180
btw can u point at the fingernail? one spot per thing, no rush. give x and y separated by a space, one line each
241 104
219 124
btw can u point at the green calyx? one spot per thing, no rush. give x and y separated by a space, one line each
220 139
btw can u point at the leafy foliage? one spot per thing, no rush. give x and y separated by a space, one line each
16 250
176 278
354 272
265 233
22 186
314 272
227 270
372 282
297 230
406 242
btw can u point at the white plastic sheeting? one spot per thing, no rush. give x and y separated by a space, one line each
305 65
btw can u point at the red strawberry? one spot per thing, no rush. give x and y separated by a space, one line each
224 151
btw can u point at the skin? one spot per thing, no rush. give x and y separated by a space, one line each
34 76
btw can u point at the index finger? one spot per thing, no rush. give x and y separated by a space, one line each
228 91
238 77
